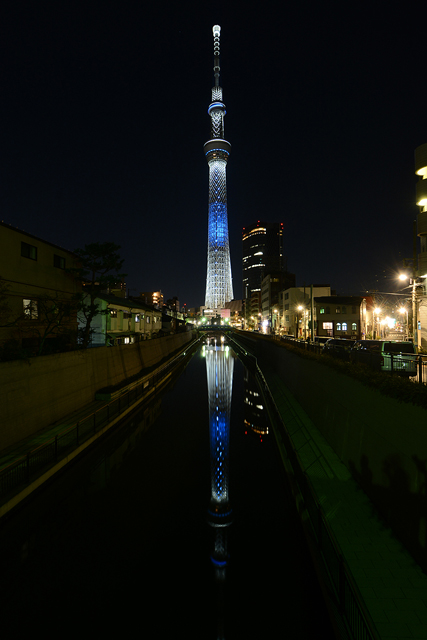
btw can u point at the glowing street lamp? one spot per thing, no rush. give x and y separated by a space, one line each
412 281
405 310
377 313
300 309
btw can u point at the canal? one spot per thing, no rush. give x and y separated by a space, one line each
178 522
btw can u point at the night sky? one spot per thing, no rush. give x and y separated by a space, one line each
104 117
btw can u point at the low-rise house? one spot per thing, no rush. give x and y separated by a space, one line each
123 321
37 293
294 309
340 316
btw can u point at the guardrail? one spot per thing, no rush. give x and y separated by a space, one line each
412 366
22 471
351 605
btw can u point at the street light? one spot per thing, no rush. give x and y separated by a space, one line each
300 308
413 283
275 319
377 313
405 310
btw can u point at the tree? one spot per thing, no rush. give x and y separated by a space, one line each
100 268
55 319
6 319
46 319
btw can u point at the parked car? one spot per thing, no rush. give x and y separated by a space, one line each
396 336
386 355
338 348
321 339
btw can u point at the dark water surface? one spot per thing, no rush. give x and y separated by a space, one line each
120 545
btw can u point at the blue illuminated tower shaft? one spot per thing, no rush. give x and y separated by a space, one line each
219 288
219 369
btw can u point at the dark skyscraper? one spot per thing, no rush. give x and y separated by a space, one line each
262 245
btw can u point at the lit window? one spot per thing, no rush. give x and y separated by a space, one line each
31 311
322 310
328 327
354 326
137 317
344 326
113 313
338 326
338 310
147 319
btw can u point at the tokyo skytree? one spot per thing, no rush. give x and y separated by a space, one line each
219 287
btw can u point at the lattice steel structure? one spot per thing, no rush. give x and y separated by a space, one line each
219 287
219 370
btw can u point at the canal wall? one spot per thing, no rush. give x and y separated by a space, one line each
37 392
382 442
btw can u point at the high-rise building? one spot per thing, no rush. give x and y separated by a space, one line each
219 288
262 245
419 306
421 199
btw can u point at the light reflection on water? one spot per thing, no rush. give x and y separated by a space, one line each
124 531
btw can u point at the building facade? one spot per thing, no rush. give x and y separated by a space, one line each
123 321
219 288
295 309
38 292
262 249
271 287
154 298
419 294
340 317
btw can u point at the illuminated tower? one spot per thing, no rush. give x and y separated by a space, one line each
219 370
219 288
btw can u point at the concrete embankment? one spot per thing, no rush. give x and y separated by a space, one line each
40 391
380 440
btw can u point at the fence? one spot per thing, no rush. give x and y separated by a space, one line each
22 471
412 366
350 603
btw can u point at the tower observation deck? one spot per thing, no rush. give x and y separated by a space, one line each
219 288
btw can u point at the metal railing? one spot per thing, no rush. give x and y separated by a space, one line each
351 605
22 471
412 366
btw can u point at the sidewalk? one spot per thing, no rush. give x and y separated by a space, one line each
21 481
393 587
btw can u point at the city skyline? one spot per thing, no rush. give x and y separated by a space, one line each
104 119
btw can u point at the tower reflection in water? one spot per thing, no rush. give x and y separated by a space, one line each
219 370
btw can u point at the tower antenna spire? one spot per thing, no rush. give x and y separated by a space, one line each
216 30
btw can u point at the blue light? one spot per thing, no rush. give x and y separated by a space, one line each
222 150
219 563
216 105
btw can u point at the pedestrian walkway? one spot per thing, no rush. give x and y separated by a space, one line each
26 466
392 586
14 452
